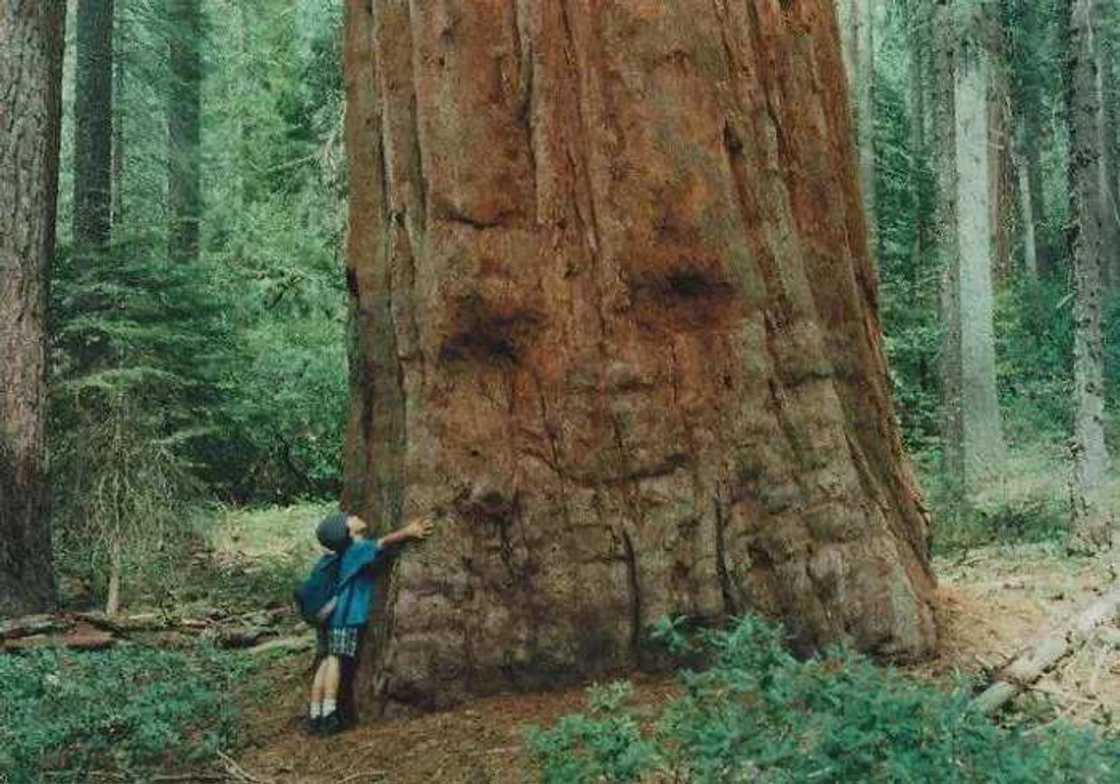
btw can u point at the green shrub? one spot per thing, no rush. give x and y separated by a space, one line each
71 713
758 714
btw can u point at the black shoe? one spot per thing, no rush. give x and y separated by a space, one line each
313 726
330 724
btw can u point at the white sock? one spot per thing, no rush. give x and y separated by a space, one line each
316 710
329 707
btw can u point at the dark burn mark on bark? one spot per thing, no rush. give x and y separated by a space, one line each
352 283
487 333
692 294
456 215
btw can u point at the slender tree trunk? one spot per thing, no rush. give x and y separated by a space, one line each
117 216
1092 526
971 427
116 564
31 43
920 23
93 125
999 159
1028 200
184 195
1110 204
858 21
614 313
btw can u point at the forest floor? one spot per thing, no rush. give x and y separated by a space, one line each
992 601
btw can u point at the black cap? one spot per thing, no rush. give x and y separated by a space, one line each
333 532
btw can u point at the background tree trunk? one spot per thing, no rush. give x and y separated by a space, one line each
614 312
31 71
93 125
972 432
117 201
1110 116
858 21
1028 204
1000 168
919 62
184 194
1092 526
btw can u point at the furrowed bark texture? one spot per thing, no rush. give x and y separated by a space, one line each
614 312
1092 527
1110 187
30 75
93 124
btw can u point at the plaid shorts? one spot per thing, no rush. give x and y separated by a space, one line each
337 641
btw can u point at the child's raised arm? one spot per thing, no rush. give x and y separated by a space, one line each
418 529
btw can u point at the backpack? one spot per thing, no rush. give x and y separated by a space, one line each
317 596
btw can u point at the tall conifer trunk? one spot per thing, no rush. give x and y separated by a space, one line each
184 194
1092 524
93 125
858 22
614 314
971 424
31 43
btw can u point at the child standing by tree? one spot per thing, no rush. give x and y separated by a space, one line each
339 637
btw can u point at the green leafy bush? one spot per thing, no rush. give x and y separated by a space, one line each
758 714
69 713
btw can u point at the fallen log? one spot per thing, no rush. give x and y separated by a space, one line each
288 644
1044 654
80 638
33 625
96 630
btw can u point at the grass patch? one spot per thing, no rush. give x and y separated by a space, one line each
128 710
759 715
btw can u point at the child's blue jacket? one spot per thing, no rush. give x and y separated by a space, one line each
356 597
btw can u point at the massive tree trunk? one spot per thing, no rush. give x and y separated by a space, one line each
1092 526
31 72
971 429
615 314
93 124
858 21
184 192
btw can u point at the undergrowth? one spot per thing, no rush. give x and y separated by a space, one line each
757 714
66 715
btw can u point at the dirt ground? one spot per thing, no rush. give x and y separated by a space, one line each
992 601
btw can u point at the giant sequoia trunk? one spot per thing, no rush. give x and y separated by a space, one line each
614 313
31 72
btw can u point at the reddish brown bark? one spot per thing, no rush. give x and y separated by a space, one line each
31 72
614 312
